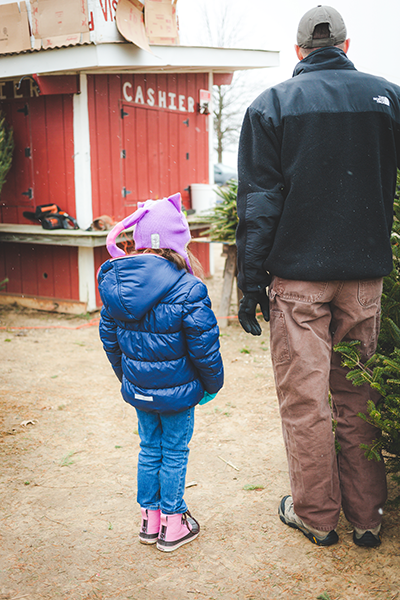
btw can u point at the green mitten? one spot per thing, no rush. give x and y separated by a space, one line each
207 397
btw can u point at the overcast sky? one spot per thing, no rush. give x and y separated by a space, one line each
372 26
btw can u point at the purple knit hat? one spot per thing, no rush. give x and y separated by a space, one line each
159 224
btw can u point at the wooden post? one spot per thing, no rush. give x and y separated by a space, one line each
229 276
239 294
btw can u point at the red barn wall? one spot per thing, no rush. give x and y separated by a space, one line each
40 270
147 139
42 170
100 256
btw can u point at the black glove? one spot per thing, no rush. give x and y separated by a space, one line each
247 311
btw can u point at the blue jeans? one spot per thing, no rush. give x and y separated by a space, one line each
163 459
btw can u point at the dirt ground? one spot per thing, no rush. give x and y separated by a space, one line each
68 512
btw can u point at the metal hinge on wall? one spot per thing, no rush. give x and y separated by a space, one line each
28 193
24 110
123 113
125 192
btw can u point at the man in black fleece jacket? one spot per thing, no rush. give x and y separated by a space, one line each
318 157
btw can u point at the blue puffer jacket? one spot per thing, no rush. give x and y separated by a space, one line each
159 332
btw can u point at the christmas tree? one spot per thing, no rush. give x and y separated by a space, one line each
6 149
382 371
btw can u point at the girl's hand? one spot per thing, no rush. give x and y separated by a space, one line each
207 397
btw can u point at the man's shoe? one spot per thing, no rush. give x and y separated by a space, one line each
370 538
289 517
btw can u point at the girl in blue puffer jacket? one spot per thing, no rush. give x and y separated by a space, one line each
162 340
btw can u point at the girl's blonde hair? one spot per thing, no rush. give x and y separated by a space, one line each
175 258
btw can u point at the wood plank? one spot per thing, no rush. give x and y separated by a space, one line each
66 263
100 256
34 234
12 268
100 143
29 271
229 277
48 304
114 205
46 266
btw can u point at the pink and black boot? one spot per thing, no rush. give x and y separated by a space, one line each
150 528
176 530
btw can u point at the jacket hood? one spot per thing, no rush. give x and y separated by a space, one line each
323 59
131 286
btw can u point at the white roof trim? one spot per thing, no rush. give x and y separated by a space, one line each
108 58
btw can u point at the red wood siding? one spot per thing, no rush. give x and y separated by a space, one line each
43 161
156 146
100 256
39 270
201 251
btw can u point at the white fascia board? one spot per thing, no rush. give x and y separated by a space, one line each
128 57
83 181
216 59
87 278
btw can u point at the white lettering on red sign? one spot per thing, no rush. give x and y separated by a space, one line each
172 97
150 97
33 91
16 95
164 100
190 104
127 95
139 96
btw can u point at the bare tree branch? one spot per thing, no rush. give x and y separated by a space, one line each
223 23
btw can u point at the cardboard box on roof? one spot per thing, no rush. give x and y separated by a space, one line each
58 23
160 22
14 32
130 22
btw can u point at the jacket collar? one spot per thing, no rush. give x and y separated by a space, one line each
324 59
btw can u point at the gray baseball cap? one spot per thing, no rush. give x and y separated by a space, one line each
315 16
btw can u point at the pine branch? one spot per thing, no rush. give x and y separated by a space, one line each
6 149
382 371
223 218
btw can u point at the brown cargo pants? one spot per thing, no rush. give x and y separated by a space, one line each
307 319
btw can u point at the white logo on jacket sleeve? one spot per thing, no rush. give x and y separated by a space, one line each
382 100
144 398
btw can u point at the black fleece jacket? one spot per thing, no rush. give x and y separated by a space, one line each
317 170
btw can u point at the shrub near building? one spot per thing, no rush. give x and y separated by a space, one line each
6 149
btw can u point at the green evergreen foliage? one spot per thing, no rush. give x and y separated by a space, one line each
389 337
6 149
382 371
223 218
